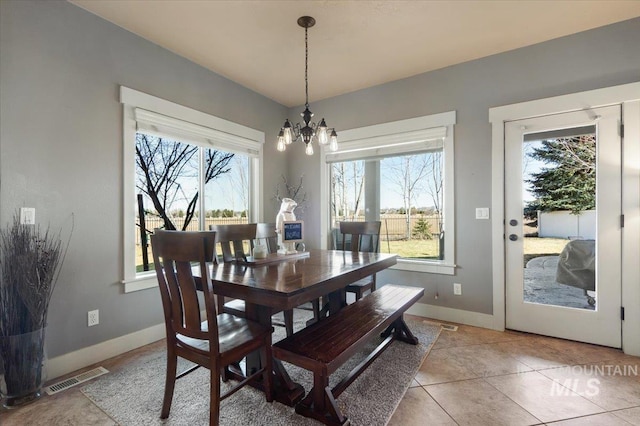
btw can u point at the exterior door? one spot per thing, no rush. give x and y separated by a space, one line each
563 230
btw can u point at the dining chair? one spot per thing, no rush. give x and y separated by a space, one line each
361 237
267 236
233 240
218 341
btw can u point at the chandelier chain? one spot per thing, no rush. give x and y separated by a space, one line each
306 67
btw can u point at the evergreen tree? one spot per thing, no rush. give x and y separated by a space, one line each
568 182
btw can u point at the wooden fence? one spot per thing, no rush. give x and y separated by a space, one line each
394 226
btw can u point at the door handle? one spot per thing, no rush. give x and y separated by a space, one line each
513 237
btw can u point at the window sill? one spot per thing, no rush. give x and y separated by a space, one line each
141 282
427 267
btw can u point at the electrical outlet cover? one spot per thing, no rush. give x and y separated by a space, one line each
457 289
93 318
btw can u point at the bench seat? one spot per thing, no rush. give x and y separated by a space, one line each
324 346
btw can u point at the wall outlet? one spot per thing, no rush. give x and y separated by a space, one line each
93 318
457 289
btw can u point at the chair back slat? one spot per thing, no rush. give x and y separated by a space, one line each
364 236
266 234
177 255
232 239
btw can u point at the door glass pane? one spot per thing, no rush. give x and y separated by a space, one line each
559 218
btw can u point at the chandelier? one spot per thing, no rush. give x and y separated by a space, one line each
310 131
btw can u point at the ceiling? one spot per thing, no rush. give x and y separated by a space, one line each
355 44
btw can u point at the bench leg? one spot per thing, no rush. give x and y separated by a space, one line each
403 333
320 404
400 332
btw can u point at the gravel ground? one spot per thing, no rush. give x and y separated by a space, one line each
540 285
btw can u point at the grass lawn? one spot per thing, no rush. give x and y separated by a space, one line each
533 247
424 249
536 247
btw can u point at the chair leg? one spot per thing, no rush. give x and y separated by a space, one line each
316 309
288 321
220 303
214 397
170 382
358 294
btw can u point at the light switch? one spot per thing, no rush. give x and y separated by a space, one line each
27 216
482 213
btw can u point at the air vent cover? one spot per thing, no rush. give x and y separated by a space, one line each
75 380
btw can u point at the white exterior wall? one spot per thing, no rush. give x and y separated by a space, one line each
564 224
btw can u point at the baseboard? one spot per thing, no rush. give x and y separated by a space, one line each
84 357
459 316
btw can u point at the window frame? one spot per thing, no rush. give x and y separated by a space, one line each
387 139
142 112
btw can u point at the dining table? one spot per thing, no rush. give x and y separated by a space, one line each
283 282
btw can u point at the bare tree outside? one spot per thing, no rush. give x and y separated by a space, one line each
347 189
238 180
406 175
435 185
338 189
357 181
166 171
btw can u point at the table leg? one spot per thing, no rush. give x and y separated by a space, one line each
337 300
286 391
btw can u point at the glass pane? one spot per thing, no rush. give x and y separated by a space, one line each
226 189
411 202
559 219
166 190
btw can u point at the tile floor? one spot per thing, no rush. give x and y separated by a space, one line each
475 376
472 376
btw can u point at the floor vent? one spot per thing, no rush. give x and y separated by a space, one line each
75 380
448 327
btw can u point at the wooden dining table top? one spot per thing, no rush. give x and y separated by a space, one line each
292 282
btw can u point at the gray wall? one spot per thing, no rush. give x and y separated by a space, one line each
598 58
61 148
61 142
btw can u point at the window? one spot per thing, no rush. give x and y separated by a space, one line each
401 174
184 170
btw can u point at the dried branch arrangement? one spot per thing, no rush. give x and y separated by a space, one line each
295 192
30 263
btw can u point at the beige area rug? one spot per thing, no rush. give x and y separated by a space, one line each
133 395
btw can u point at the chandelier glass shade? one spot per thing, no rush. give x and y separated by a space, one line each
307 131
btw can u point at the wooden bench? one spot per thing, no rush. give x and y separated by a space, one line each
324 346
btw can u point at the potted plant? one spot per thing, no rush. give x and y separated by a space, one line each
30 262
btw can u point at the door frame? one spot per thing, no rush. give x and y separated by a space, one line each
628 95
